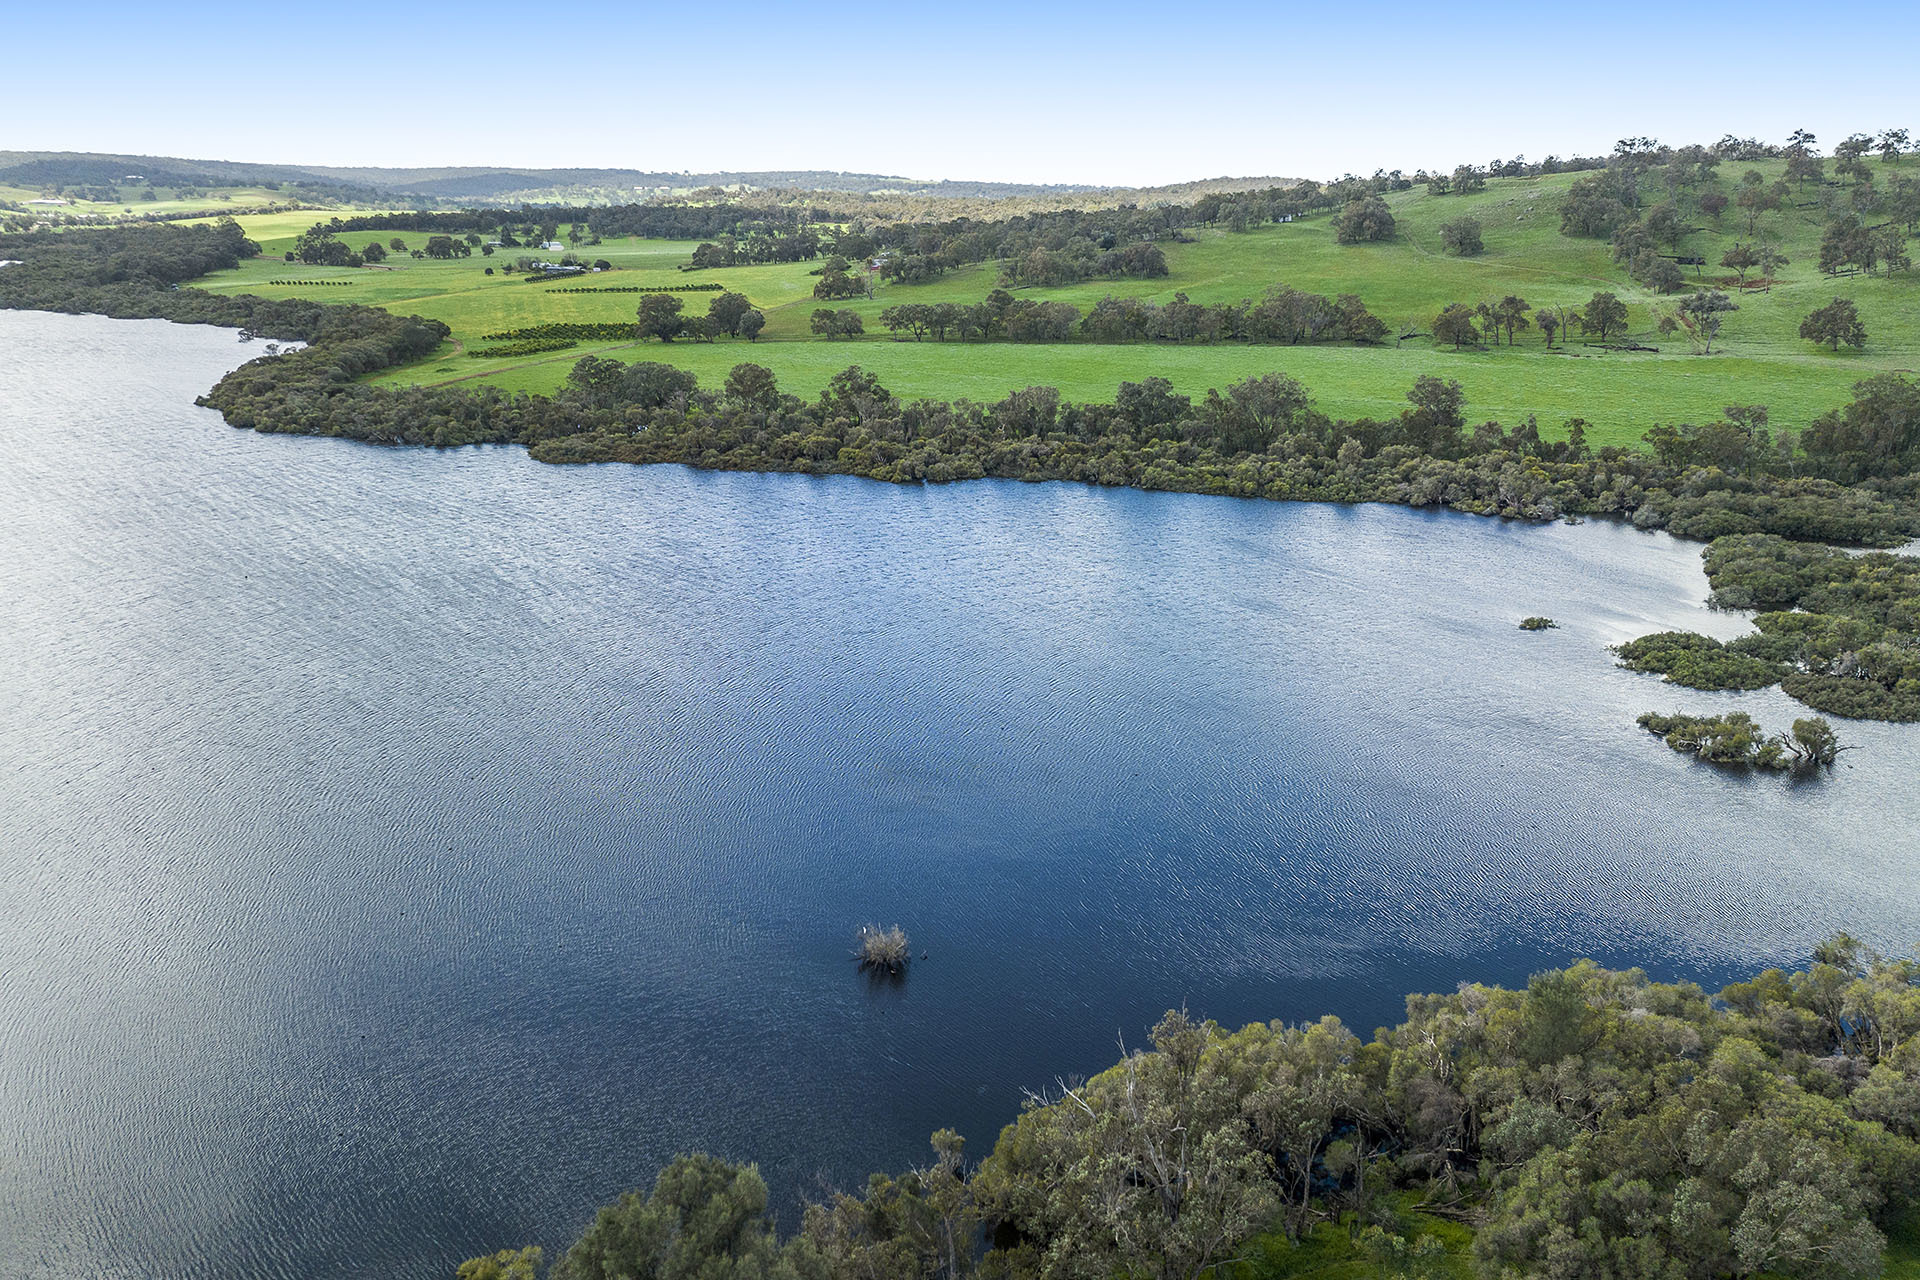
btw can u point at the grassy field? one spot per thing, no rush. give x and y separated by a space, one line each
1760 359
275 232
240 199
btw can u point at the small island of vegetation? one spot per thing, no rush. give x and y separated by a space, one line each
1838 631
882 951
1734 739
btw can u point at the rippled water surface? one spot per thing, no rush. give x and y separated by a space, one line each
403 852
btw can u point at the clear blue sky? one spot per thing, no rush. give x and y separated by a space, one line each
1030 92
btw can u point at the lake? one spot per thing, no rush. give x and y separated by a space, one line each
404 852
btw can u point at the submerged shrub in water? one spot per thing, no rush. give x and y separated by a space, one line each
882 950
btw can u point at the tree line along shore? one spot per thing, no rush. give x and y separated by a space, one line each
1850 477
1594 1124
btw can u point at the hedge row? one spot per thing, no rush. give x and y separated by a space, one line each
634 288
580 330
523 348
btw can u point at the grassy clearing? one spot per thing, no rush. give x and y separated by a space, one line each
1903 1249
240 199
1329 1252
1760 358
275 232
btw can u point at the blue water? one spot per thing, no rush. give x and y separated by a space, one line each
404 852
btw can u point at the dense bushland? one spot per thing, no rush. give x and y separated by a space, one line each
1595 1124
1839 632
135 272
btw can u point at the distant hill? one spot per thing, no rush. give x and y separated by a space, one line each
493 184
514 185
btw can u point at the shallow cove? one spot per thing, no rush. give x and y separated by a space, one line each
406 851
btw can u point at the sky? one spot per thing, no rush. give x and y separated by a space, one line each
1112 94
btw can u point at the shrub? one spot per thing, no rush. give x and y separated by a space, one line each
1537 623
882 950
1462 237
1364 221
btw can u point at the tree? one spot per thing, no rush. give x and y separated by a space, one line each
1771 260
1890 246
1137 1172
1835 323
1713 204
1803 166
727 310
1510 313
1364 221
914 317
659 316
652 385
1551 321
1740 258
1847 243
1658 273
1755 197
832 324
508 1264
374 252
1149 407
1664 222
1814 741
397 245
1891 143
751 324
753 385
1456 325
1254 411
1704 312
1434 423
1603 316
1877 433
704 1218
1462 237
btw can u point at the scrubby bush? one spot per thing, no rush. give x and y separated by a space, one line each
880 950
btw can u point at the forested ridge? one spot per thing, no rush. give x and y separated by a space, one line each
1596 1125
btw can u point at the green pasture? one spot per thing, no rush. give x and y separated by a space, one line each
1620 395
1759 358
275 232
239 199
